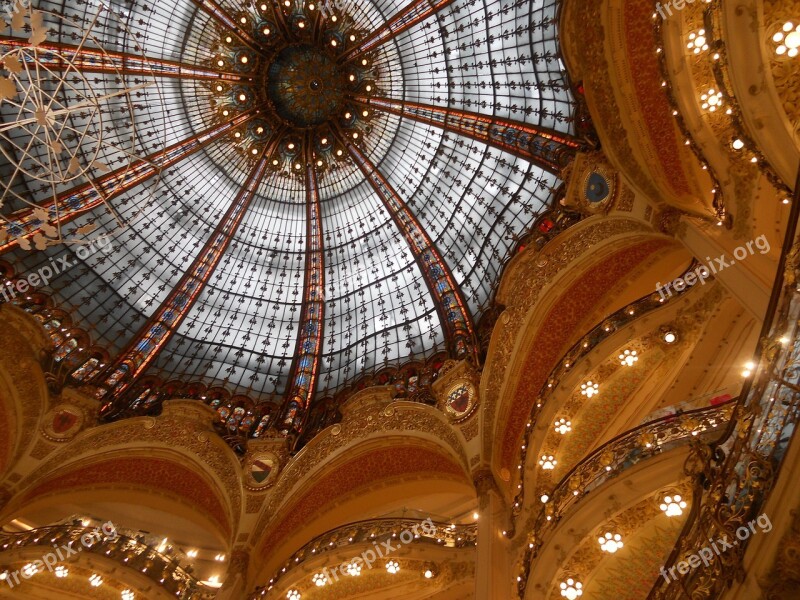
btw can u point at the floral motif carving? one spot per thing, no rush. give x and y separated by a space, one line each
470 428
21 341
41 449
183 426
532 273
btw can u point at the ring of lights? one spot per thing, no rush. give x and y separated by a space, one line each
296 72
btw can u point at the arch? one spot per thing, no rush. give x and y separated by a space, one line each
566 314
620 71
23 389
174 463
638 486
595 266
761 95
365 481
375 419
361 477
160 481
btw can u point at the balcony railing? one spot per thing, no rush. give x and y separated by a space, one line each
601 332
130 553
733 477
375 531
615 457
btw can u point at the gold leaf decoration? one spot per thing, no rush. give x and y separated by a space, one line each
7 89
40 241
12 63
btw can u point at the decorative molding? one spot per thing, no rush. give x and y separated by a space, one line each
470 427
23 344
253 504
42 449
625 198
357 425
528 275
182 427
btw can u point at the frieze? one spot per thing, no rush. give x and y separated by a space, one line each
530 276
398 416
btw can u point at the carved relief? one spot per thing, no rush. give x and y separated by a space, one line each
592 185
41 449
470 428
595 70
183 425
784 68
784 577
626 199
359 424
62 423
21 341
528 278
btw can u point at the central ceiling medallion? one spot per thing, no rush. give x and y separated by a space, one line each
305 86
298 75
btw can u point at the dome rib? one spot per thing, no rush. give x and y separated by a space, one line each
91 60
380 257
453 313
305 364
402 21
221 16
82 198
546 148
154 334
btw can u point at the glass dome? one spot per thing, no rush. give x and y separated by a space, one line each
287 195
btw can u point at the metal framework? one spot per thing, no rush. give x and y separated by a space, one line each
305 366
229 23
411 15
85 197
454 316
317 254
89 60
543 147
144 347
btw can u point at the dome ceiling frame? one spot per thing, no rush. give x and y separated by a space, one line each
523 150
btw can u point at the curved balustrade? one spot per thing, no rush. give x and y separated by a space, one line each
616 456
163 570
374 531
735 474
713 23
584 346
